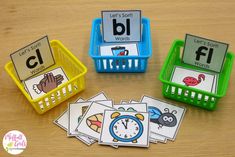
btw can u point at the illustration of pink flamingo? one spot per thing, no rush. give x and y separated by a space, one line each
191 81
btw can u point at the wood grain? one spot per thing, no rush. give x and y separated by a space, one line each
202 133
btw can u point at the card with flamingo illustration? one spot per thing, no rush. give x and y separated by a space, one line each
195 79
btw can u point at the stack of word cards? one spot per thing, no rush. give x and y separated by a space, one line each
207 57
126 124
121 31
31 64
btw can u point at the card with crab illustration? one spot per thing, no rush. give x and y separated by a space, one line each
165 118
124 128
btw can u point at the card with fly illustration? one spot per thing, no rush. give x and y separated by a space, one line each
165 118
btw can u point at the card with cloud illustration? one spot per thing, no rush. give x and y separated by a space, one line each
165 118
44 83
123 128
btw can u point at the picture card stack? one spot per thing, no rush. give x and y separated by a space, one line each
133 123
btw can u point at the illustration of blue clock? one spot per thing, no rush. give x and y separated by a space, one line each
126 128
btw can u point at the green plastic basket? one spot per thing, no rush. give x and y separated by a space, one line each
194 96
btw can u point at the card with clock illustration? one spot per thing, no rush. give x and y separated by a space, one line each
165 118
134 107
125 128
91 123
152 135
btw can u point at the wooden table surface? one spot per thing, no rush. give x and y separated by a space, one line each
202 133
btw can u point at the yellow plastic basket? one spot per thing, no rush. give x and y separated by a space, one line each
74 69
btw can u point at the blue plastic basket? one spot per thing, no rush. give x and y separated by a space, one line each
126 63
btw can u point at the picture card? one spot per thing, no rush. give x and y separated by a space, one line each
44 83
123 102
62 122
165 119
155 137
97 97
76 111
195 79
121 25
91 123
134 107
33 58
119 50
124 128
204 53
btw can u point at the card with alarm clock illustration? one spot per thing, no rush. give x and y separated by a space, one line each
124 128
139 107
165 118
